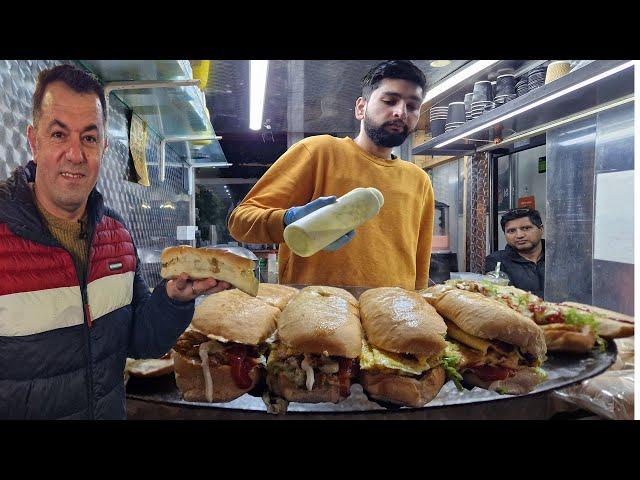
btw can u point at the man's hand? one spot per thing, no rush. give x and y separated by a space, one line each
184 289
296 213
341 242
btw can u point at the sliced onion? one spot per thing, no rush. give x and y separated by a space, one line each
309 371
203 351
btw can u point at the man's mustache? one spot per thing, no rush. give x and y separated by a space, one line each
396 124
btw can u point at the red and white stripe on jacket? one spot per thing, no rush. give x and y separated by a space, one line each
39 287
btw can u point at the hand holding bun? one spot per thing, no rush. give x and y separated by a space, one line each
208 263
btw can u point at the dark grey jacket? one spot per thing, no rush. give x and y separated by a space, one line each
522 273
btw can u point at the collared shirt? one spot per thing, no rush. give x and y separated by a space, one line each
523 273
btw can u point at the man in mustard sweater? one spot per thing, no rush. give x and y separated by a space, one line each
393 248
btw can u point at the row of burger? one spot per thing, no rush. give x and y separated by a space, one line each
311 345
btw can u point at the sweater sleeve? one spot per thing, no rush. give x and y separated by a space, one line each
425 236
288 183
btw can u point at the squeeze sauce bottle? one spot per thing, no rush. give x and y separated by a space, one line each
312 233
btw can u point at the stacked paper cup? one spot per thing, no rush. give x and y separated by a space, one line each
456 116
437 120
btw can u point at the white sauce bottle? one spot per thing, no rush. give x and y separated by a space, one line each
312 233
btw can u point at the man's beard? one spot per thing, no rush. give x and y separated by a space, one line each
382 137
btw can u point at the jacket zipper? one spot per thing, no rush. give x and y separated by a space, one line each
88 321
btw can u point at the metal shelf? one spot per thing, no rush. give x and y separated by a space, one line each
546 106
170 111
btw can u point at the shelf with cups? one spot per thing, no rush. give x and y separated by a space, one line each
519 68
490 124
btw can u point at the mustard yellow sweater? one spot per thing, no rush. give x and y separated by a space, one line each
392 249
68 234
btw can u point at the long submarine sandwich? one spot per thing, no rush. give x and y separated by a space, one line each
568 326
403 347
318 342
499 349
221 355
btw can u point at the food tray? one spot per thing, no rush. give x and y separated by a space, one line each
563 370
160 398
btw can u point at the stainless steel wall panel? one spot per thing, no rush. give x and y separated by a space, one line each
17 83
569 228
613 281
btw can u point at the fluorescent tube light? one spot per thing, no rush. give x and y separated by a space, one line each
258 74
459 77
542 101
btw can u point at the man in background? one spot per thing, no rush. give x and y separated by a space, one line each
523 257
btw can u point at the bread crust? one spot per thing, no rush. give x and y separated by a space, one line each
276 295
434 293
149 367
321 320
281 386
232 315
335 291
401 321
200 263
407 391
524 381
560 337
191 383
489 319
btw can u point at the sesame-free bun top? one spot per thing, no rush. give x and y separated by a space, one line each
232 315
489 319
321 320
276 295
200 263
401 321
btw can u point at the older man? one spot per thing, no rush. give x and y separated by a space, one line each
73 304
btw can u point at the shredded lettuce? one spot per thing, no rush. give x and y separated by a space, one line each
601 342
449 362
490 287
541 373
573 317
502 391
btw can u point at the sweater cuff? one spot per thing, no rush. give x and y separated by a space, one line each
275 226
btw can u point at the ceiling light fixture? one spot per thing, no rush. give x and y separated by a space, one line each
457 78
542 101
440 63
258 74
